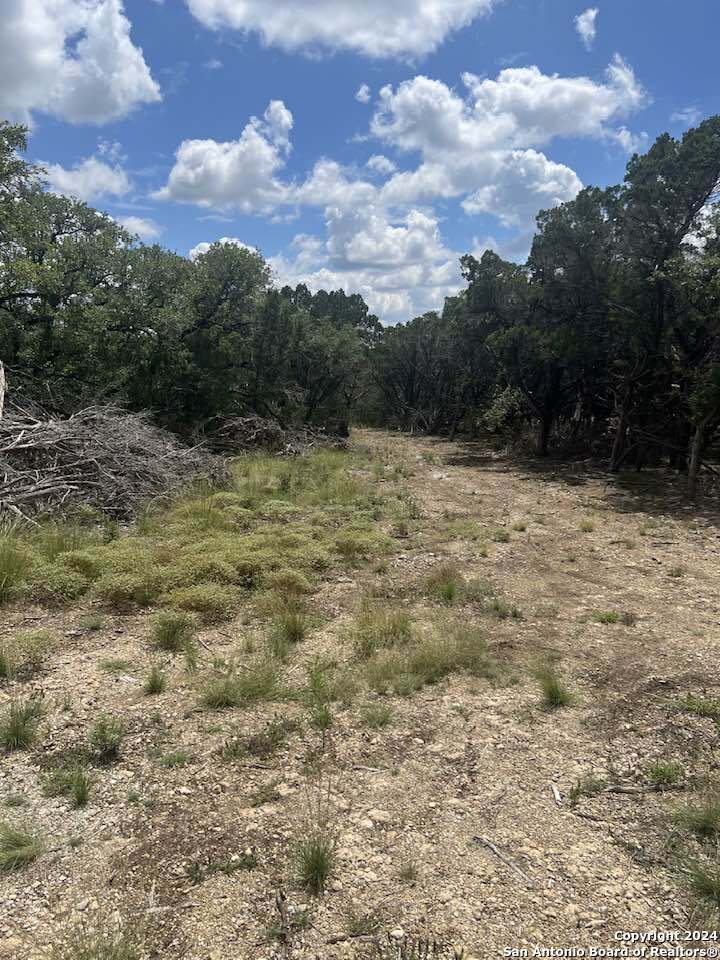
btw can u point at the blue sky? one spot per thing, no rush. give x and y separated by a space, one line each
196 120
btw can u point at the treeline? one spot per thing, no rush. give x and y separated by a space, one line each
609 335
87 314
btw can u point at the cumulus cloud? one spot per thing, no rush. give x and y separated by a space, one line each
686 117
374 27
585 26
73 60
203 247
479 146
363 93
238 174
101 175
142 227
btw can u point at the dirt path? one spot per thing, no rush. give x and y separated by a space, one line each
461 760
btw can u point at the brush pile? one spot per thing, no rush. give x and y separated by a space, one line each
246 434
100 457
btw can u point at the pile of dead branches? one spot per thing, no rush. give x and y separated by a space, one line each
247 434
102 457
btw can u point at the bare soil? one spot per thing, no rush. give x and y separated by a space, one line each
462 760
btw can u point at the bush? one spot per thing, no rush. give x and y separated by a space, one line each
55 584
211 601
173 631
124 591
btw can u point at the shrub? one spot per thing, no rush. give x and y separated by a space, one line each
173 631
106 738
445 584
555 693
124 591
211 601
19 724
17 847
376 715
288 582
588 786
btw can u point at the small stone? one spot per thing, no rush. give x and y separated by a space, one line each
379 816
397 934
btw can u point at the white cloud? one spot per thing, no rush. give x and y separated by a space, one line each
380 164
372 27
203 247
142 227
72 59
585 26
686 117
93 178
363 93
214 64
238 174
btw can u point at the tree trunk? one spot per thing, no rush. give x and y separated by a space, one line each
621 432
546 423
2 389
694 465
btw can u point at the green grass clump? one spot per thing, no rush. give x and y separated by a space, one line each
91 621
501 609
702 819
53 539
262 744
380 629
376 716
288 582
176 758
445 584
19 724
256 682
554 692
520 526
501 536
15 566
55 584
212 602
106 943
155 682
708 707
290 626
705 882
113 665
665 772
73 782
24 656
588 786
315 860
18 848
587 525
606 616
173 631
105 739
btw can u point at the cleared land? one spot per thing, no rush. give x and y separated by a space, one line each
419 688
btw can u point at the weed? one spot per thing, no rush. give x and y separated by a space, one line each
95 943
587 525
380 629
665 772
555 693
176 758
315 859
17 847
445 584
702 819
265 793
91 621
705 882
24 656
155 682
363 924
501 536
708 707
14 567
15 800
173 631
263 744
502 610
19 724
115 666
321 717
289 627
677 570
72 782
588 786
256 682
520 526
408 871
376 716
606 616
106 738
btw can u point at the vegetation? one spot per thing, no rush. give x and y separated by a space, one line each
17 847
19 724
555 693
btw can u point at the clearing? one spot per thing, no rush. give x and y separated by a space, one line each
464 697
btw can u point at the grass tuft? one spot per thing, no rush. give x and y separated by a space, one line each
155 682
72 782
315 860
105 738
17 847
555 693
19 724
173 631
702 819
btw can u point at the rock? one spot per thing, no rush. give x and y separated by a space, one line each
379 816
397 934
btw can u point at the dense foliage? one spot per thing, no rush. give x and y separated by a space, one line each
608 334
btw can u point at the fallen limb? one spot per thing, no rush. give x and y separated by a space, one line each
487 842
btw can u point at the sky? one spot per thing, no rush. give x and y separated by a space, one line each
358 145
